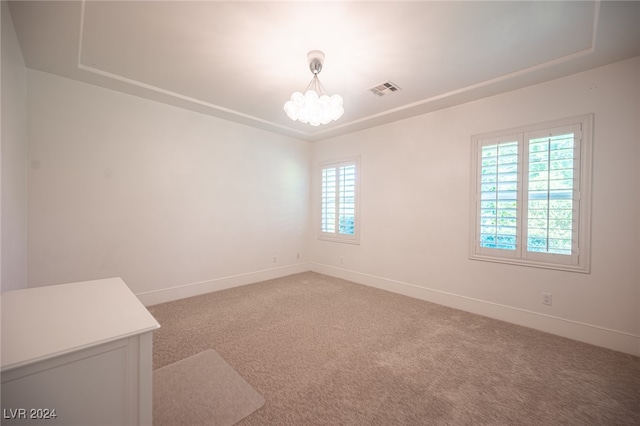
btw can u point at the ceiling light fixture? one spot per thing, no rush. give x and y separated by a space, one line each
315 106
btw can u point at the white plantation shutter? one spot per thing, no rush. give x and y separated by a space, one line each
498 194
329 200
347 199
531 195
338 204
552 193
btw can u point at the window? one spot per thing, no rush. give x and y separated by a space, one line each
339 201
531 195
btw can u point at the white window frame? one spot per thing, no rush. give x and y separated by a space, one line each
336 236
580 258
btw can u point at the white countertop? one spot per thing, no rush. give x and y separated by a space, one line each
43 322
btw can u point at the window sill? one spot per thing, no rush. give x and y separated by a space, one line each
584 269
344 240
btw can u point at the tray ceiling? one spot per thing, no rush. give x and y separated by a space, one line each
242 60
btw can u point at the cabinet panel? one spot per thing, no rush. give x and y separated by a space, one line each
90 390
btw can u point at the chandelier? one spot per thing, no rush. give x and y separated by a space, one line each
315 106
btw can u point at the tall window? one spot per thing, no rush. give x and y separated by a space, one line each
339 201
531 195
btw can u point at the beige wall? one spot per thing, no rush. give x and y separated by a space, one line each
415 210
157 195
13 200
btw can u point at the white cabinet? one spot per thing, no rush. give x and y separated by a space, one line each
76 354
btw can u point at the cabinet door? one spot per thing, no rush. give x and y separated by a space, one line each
89 387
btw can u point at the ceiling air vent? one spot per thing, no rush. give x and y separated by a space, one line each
385 88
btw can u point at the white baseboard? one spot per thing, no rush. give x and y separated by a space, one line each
194 289
599 336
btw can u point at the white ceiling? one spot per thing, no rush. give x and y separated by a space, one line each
242 60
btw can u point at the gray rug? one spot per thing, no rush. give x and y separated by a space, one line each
202 390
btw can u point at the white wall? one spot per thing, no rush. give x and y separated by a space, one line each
415 186
160 196
178 203
13 201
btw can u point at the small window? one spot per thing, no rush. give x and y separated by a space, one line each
531 195
339 201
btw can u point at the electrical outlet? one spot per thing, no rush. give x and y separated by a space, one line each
275 259
341 260
297 256
546 299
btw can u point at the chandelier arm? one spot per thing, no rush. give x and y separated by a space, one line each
316 86
321 90
311 85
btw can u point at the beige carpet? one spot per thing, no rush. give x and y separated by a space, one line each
324 351
201 390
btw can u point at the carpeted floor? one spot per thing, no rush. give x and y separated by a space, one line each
326 351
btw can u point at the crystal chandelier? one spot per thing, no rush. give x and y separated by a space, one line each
315 106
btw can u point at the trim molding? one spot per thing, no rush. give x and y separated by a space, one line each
587 333
195 289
